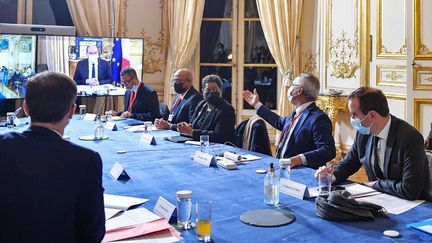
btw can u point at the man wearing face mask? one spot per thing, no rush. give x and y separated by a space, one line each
141 101
390 149
93 70
213 116
306 137
185 102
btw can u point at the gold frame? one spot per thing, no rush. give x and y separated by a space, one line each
417 103
419 47
394 69
416 78
391 96
400 54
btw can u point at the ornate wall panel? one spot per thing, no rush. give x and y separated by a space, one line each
310 39
343 44
391 42
397 105
422 29
422 118
394 76
423 78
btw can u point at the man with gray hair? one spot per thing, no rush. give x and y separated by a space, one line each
306 137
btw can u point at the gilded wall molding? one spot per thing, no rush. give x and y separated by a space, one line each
392 76
418 102
155 49
422 78
310 63
382 51
344 56
421 51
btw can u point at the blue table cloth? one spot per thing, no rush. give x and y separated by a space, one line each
163 169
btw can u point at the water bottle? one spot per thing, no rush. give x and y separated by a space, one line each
10 117
271 187
82 111
184 209
285 168
99 129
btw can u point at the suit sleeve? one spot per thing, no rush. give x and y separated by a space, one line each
324 142
413 174
272 118
224 129
90 209
106 75
350 164
152 111
78 75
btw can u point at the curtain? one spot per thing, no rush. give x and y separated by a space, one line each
57 53
280 20
184 22
94 18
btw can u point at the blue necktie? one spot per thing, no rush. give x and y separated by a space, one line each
93 71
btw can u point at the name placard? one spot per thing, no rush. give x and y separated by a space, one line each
89 117
164 208
148 139
117 171
293 188
204 158
111 126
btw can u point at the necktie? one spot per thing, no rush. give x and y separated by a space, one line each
131 101
93 71
377 169
285 134
175 106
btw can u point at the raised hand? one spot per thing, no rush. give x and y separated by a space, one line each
251 98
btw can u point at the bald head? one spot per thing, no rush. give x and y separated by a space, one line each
183 79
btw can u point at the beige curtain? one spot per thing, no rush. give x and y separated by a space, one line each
184 23
57 53
94 18
280 20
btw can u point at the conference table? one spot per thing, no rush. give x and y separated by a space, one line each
167 167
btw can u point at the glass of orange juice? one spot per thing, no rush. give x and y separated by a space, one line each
203 220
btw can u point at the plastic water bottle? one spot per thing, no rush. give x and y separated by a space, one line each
99 129
271 187
184 209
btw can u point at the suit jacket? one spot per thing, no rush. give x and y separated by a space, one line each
146 104
82 72
218 124
186 108
51 189
312 136
405 163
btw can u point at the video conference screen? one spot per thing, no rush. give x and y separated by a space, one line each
94 63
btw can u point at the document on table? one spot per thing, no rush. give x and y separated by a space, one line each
249 157
122 202
391 203
163 236
358 190
140 128
130 218
111 212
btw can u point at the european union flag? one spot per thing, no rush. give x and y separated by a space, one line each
116 61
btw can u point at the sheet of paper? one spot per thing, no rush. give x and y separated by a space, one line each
359 190
193 142
392 204
140 128
110 212
137 230
130 218
163 236
122 202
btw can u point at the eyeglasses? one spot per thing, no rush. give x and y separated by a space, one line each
294 85
177 81
127 81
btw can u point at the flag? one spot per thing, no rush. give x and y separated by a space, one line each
116 62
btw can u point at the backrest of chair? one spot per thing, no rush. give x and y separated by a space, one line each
239 133
164 111
260 141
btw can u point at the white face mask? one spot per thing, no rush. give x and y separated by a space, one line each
291 90
93 58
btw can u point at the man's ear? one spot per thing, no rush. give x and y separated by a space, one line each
72 110
26 109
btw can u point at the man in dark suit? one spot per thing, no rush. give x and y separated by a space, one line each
390 149
51 188
213 116
306 137
141 101
185 102
93 70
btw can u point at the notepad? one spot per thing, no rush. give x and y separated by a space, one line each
423 226
177 139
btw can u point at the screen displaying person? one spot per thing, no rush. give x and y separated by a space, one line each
93 70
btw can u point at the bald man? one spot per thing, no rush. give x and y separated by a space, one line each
185 102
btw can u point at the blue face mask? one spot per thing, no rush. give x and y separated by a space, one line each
356 123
